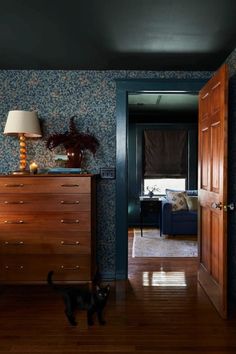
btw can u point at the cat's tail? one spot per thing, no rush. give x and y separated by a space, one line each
49 278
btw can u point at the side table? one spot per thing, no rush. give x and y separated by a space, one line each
150 206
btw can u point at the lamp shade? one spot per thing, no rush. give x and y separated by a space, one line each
23 122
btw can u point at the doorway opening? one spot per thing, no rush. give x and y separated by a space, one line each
162 156
124 88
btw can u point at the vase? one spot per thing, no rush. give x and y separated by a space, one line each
75 158
150 194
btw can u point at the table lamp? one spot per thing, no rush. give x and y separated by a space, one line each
23 124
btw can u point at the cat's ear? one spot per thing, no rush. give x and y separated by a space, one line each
108 287
97 288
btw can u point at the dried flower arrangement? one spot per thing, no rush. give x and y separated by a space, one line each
74 142
152 189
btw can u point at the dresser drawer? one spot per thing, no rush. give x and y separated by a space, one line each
34 223
72 243
28 268
44 202
69 243
48 184
54 243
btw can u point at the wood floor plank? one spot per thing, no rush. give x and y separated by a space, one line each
142 316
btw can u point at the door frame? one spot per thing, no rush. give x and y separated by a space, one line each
123 88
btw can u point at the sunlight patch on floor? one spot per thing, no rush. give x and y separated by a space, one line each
164 278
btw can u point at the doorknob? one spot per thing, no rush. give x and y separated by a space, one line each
217 205
229 206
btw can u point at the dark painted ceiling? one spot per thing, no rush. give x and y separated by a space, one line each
116 34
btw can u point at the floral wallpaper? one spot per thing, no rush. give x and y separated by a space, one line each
91 97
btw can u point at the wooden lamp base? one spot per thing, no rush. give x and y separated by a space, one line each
22 170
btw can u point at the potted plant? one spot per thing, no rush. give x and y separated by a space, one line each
74 142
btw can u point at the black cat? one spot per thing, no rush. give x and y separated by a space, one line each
83 298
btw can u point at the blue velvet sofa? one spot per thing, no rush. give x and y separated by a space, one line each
181 222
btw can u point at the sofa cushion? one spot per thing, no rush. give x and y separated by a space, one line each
177 199
184 216
192 202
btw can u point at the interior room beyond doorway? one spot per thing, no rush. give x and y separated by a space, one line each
159 111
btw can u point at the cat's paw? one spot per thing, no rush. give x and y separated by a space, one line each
102 322
73 323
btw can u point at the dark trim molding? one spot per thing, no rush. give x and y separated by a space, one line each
124 87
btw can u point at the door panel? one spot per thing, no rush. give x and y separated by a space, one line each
215 152
205 244
205 158
215 247
212 174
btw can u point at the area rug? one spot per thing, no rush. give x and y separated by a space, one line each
154 245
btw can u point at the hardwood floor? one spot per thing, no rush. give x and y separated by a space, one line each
142 316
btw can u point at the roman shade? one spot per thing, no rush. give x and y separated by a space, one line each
165 153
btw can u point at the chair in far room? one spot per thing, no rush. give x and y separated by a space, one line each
180 212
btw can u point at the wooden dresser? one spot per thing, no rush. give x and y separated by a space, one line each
47 222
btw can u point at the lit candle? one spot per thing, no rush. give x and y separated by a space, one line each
33 168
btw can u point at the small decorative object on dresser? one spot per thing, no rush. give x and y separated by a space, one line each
151 190
75 143
47 222
33 168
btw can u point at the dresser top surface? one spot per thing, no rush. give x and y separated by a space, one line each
49 175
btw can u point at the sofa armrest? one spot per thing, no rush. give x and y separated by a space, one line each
166 217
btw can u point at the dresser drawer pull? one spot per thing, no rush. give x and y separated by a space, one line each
70 243
14 185
14 222
68 202
69 268
19 243
16 202
69 185
67 221
19 267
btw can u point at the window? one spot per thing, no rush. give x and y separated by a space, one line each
165 153
162 183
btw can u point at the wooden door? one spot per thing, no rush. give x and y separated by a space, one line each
212 177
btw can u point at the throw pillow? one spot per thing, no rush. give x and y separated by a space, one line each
177 199
192 202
